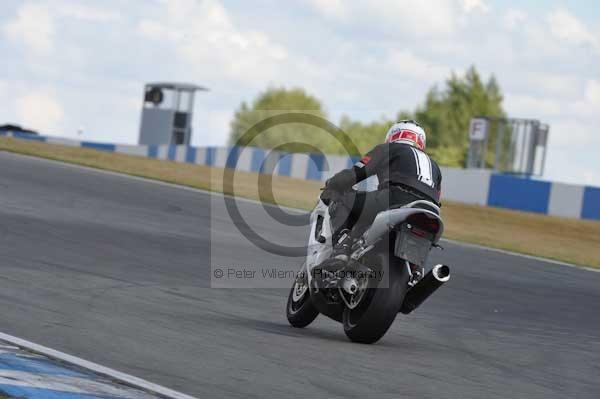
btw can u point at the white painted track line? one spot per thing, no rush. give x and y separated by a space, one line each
126 379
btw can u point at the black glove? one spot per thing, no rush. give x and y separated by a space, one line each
328 195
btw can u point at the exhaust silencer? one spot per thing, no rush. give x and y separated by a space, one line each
424 288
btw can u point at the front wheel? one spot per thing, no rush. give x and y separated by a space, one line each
375 313
300 310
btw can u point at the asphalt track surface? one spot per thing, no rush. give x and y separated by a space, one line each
117 271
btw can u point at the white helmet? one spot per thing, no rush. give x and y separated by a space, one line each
408 132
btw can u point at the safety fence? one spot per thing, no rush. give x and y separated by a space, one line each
471 186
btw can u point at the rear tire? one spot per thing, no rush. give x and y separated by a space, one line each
374 315
300 310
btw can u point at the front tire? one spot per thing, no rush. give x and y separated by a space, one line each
300 310
374 315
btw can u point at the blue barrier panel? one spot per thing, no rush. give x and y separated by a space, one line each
258 157
518 193
190 154
591 203
210 156
28 136
98 146
352 161
171 152
315 166
232 157
152 151
285 164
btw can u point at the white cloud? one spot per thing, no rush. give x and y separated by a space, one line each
213 120
529 106
39 110
33 26
555 84
475 5
335 9
573 142
592 92
408 65
539 38
589 177
536 43
577 172
565 26
571 133
154 30
36 25
203 34
588 103
514 18
87 13
412 18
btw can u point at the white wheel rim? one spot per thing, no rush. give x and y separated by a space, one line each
299 291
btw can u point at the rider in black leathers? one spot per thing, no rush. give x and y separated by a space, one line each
405 174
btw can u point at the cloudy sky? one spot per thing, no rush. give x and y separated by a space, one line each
81 65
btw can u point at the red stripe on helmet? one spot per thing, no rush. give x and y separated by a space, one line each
408 135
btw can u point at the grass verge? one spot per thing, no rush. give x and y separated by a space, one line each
568 240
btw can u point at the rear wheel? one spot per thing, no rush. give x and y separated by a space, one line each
300 310
370 320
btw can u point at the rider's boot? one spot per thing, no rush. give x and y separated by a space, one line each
342 246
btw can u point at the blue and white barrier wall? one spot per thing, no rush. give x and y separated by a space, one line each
471 186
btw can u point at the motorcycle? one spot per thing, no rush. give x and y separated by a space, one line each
383 277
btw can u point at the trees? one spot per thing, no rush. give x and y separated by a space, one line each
445 115
290 137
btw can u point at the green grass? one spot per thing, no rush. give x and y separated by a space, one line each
568 240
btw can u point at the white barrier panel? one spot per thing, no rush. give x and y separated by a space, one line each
244 159
180 152
271 162
62 141
299 166
137 150
163 152
200 156
469 186
221 155
565 200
